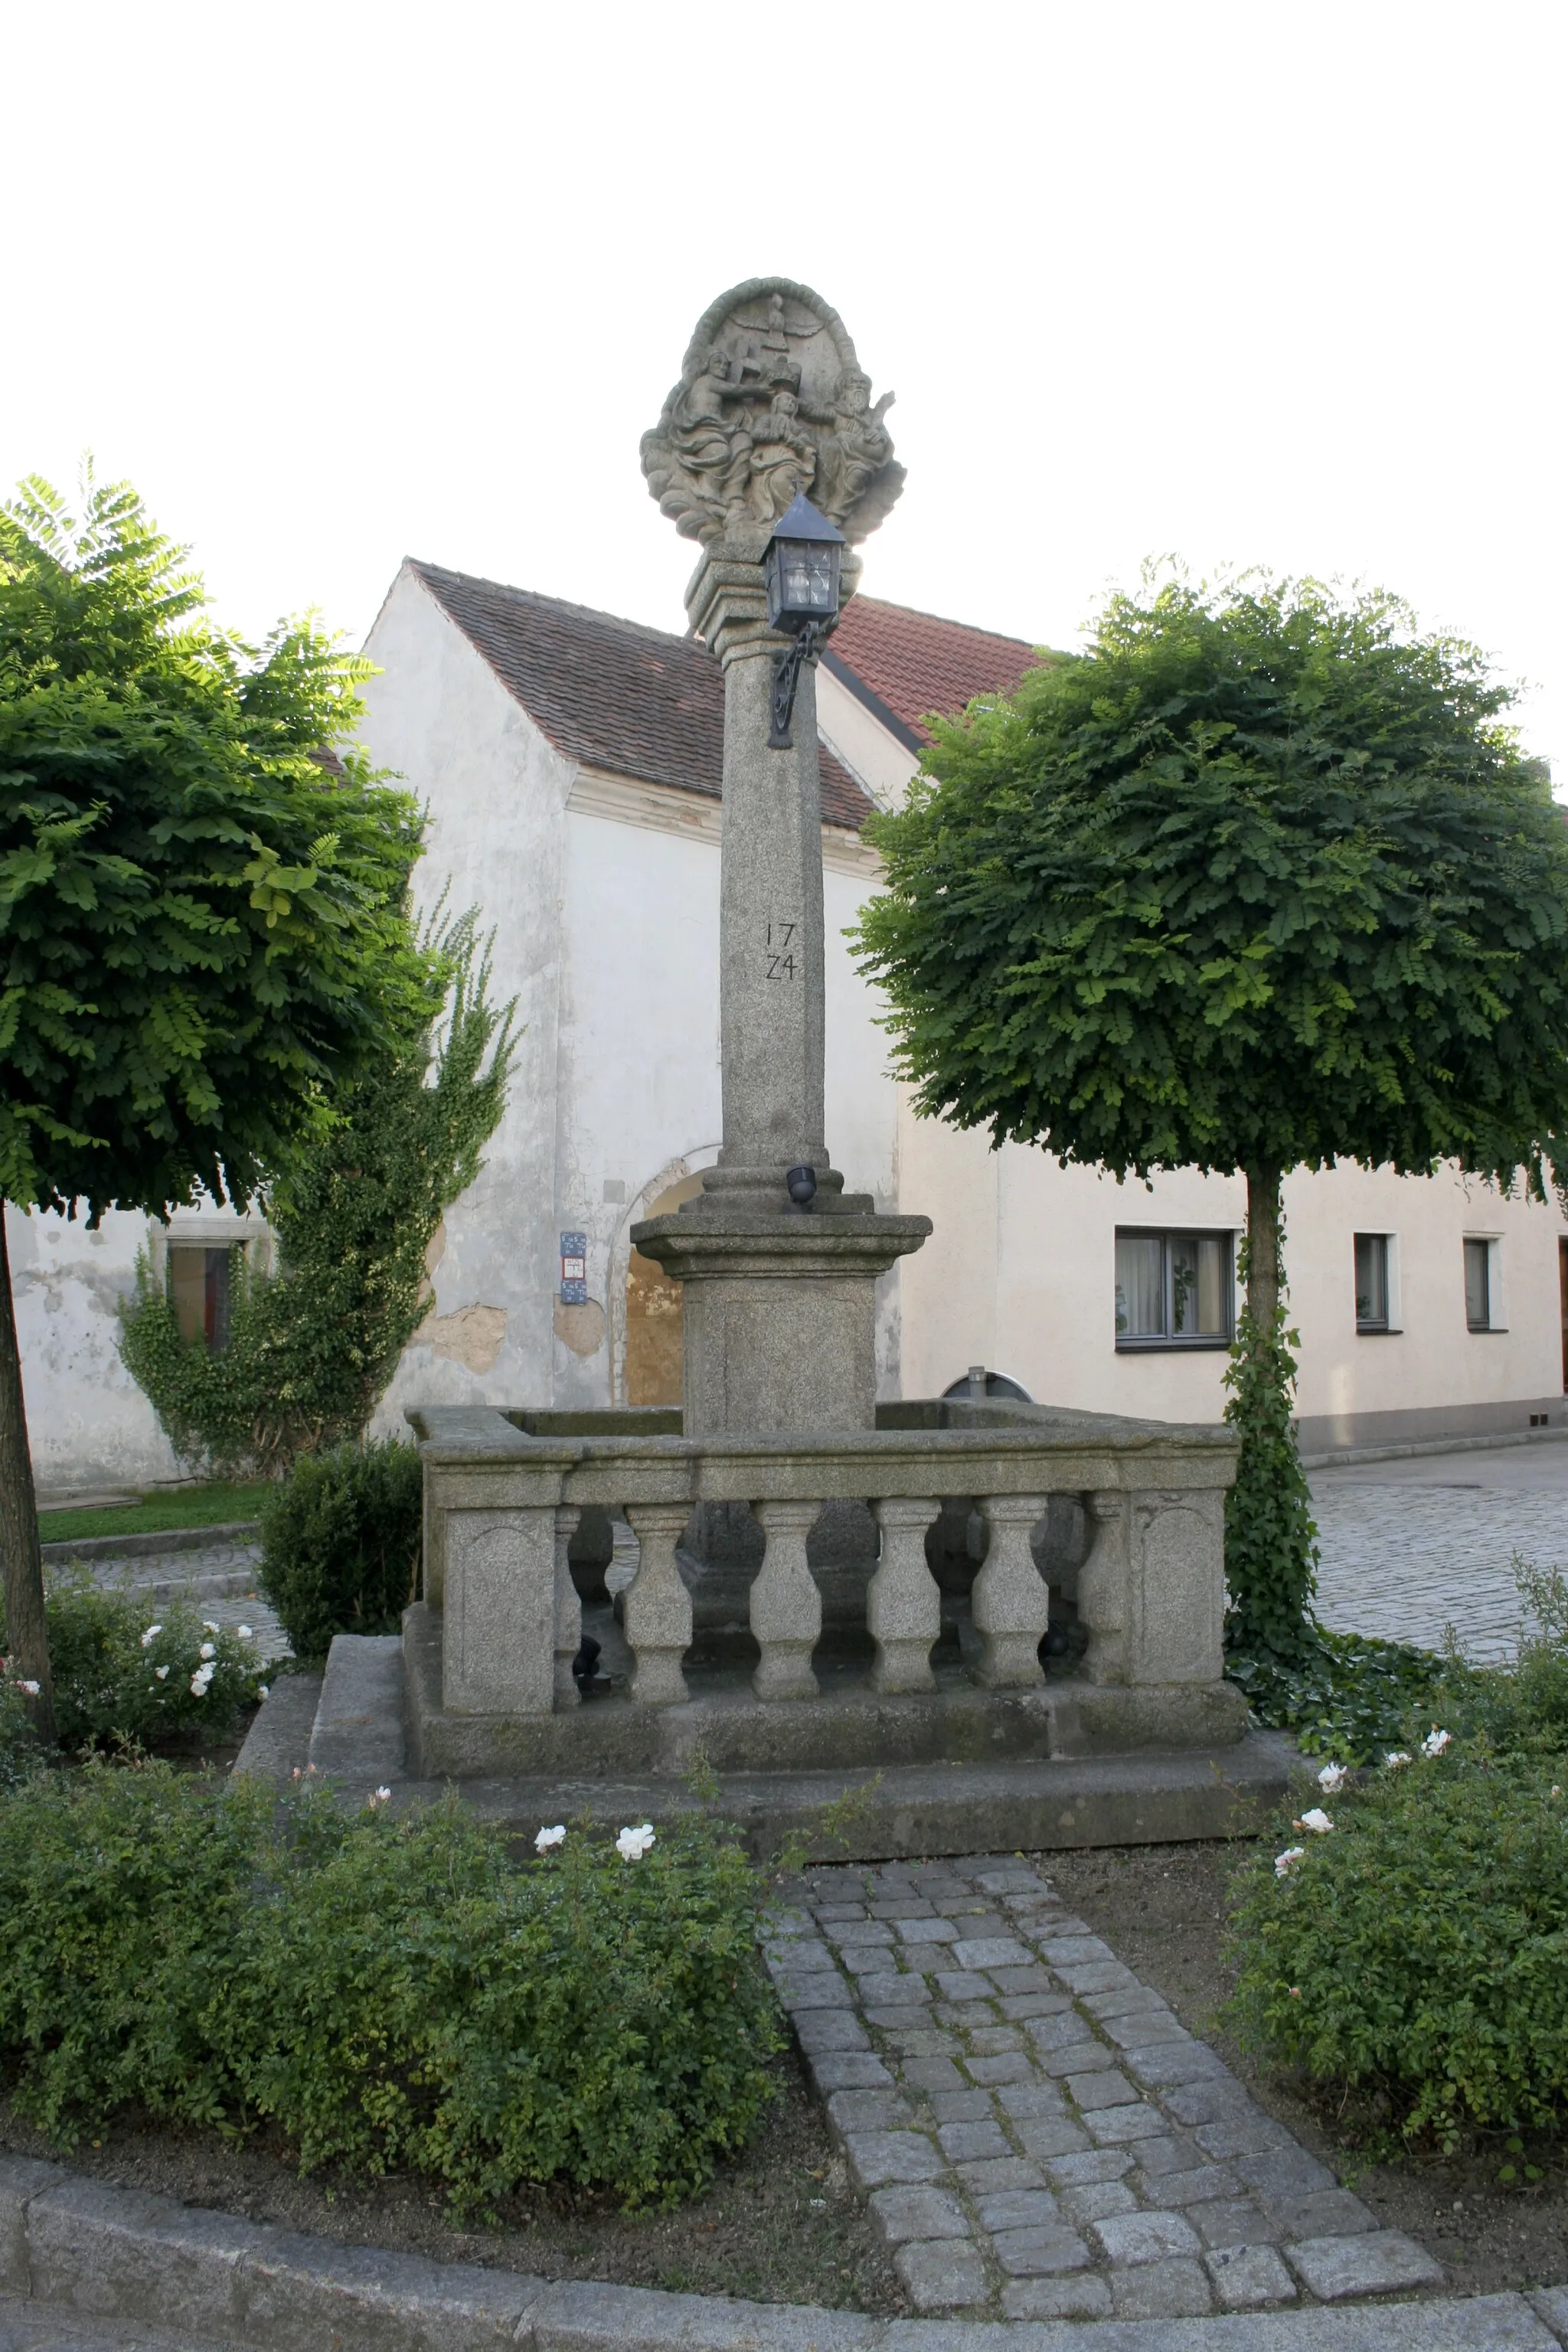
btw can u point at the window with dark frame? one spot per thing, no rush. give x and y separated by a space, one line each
1174 1289
1477 1285
200 1291
1372 1282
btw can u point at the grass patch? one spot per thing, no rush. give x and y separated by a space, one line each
210 1505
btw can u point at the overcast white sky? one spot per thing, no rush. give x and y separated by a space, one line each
1275 282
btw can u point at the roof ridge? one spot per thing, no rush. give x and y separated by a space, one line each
428 571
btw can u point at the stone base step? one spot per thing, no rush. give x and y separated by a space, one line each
351 1726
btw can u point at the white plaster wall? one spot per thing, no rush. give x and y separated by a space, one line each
1435 1359
1020 1275
637 1104
496 792
88 1423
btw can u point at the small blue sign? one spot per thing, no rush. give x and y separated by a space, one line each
574 1269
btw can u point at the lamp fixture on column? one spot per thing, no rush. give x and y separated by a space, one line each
801 567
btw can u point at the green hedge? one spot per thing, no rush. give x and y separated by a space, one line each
340 1544
393 1994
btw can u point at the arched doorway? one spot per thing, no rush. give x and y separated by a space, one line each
655 1357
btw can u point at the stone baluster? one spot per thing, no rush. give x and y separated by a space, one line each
786 1607
903 1602
1012 1602
568 1608
657 1610
1103 1586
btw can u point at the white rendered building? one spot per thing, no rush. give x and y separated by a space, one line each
571 763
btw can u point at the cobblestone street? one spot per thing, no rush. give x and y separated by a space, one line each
1409 1547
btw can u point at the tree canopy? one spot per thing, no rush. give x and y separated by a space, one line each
1260 879
201 923
204 919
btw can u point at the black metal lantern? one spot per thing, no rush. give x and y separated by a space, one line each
801 567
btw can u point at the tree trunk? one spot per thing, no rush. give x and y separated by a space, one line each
1263 1246
27 1639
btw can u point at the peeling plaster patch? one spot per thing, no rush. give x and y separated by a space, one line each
472 1337
435 1251
581 1327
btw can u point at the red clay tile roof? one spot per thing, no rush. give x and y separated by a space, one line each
914 662
634 700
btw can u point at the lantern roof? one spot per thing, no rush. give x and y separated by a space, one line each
800 519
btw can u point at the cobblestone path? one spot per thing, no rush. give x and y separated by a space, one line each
1040 2137
1402 1561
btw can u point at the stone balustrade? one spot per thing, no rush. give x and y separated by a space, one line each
505 1494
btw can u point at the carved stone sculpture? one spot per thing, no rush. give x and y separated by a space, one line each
771 400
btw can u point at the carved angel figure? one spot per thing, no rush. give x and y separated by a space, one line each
858 448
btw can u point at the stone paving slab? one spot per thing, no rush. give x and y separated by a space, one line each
1091 2159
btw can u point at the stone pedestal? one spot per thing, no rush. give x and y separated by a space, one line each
779 1303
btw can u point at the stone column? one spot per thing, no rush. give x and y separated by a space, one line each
780 1305
780 1302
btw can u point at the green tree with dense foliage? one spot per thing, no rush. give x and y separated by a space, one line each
204 925
311 1349
1260 881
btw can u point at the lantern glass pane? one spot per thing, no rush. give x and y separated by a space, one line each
797 576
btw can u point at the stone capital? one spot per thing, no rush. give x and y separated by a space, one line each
727 600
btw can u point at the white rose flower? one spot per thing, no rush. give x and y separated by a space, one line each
161 1673
245 1632
1396 1759
1331 1779
150 1635
32 1689
632 1844
1316 1821
1284 1863
1436 1741
261 1690
206 1651
210 1625
547 1838
199 1681
380 1796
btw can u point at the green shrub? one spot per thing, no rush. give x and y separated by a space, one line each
391 1994
19 1752
126 1669
1523 1709
1417 1954
122 1894
340 1544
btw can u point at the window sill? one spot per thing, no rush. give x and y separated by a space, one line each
1486 1330
1171 1347
1380 1330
